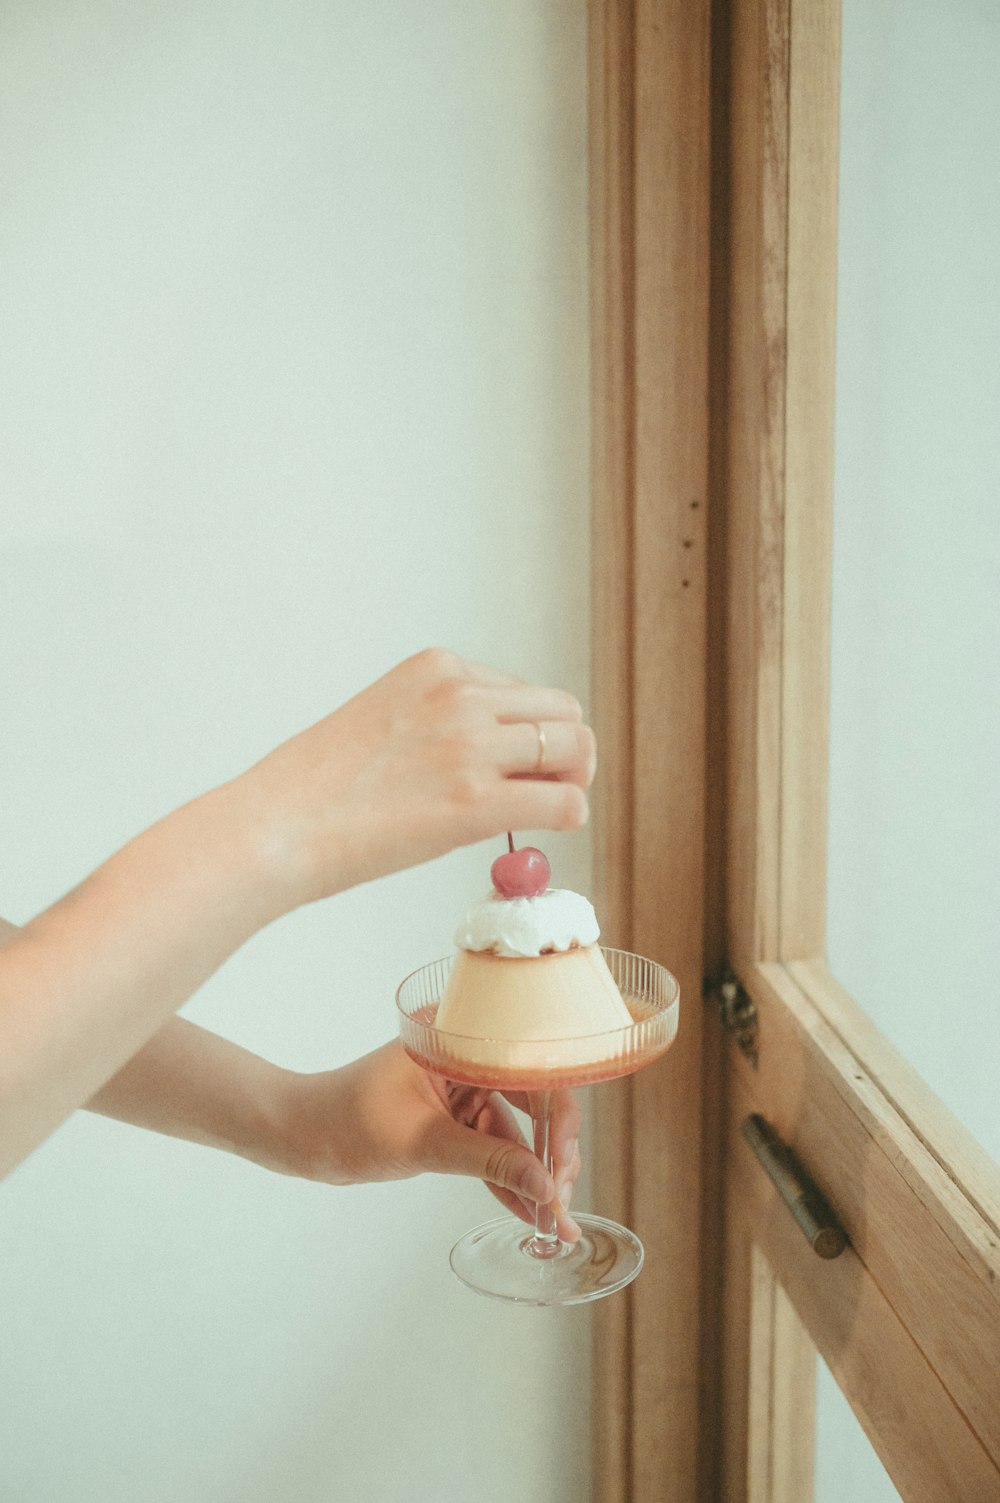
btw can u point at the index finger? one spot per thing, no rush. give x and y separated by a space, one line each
490 678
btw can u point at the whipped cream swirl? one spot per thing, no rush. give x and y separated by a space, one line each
518 928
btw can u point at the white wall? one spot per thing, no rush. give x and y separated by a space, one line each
915 736
294 383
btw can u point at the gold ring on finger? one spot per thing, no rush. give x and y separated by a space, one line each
540 759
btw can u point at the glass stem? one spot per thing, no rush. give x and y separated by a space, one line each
545 1242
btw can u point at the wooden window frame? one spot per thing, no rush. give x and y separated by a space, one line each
713 461
649 102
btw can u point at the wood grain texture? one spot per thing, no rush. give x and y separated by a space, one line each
734 1465
650 79
911 1227
750 378
961 1158
611 66
671 448
811 336
752 487
909 1318
782 1396
919 1432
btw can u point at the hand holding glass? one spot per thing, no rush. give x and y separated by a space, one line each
502 1258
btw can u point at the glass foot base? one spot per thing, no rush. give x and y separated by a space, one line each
496 1259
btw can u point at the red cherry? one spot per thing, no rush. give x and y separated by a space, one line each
521 874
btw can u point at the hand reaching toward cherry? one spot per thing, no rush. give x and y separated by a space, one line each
438 753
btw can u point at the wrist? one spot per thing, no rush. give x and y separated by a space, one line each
262 846
315 1127
268 1131
278 841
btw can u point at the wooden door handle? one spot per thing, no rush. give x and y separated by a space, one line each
813 1214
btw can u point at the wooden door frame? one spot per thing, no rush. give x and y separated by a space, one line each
710 650
919 1199
649 145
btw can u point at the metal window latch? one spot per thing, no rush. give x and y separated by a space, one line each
810 1209
737 1013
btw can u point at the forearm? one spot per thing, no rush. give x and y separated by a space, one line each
438 753
88 982
190 1083
382 1117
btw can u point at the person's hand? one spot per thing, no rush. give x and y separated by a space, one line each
439 753
383 1117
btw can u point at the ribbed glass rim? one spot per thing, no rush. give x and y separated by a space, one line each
660 992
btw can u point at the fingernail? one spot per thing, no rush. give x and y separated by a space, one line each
569 1153
566 1193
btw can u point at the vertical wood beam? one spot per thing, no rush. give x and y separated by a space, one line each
782 1393
611 148
748 382
753 485
811 315
670 603
774 374
650 271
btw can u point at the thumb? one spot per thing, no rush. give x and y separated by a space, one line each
453 1149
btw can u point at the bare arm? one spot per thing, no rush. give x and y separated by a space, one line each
189 1083
437 754
86 984
379 1117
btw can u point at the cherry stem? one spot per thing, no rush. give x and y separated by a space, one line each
510 842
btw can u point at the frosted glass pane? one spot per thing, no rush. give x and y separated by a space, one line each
915 738
847 1467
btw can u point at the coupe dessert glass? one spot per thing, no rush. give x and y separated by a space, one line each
505 1258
